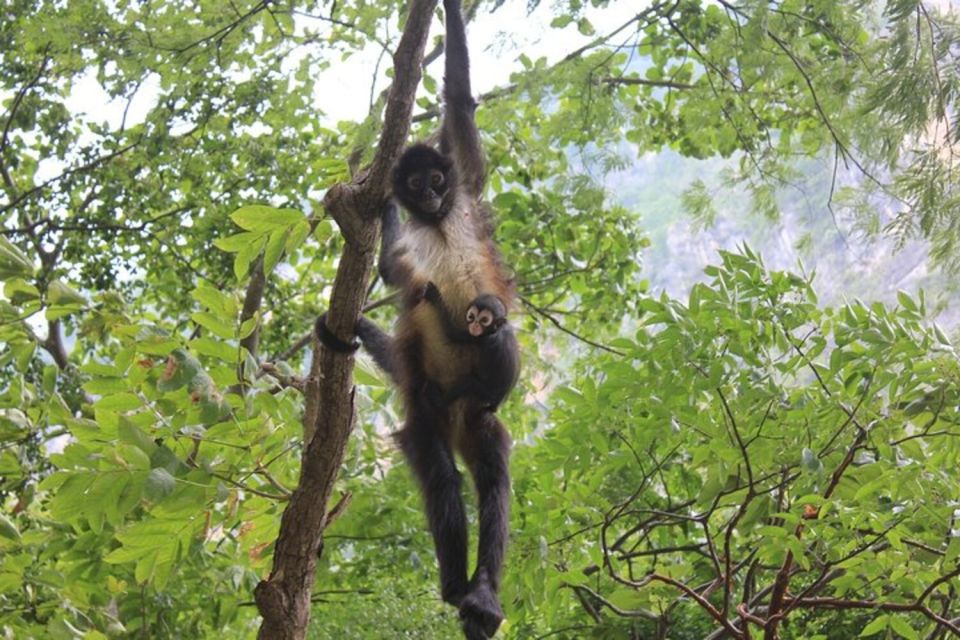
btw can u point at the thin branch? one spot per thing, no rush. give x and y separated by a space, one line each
17 100
623 613
632 81
69 172
546 314
901 607
221 34
256 492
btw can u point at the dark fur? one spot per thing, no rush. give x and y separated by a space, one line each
419 161
427 440
330 340
452 383
495 367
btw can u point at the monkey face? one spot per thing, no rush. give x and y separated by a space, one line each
423 183
427 187
485 316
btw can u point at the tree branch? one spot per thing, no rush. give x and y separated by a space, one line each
283 599
17 100
69 172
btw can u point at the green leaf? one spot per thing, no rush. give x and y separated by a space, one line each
216 301
274 249
179 370
257 217
298 234
134 457
50 379
207 346
154 341
906 301
60 294
119 402
246 256
234 243
214 324
953 551
18 291
159 484
13 262
249 326
14 424
903 628
131 434
880 623
8 529
323 231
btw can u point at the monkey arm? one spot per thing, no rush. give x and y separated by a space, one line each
459 136
379 345
391 269
453 332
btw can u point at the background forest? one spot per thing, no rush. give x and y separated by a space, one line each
735 232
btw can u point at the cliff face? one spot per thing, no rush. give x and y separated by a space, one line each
848 262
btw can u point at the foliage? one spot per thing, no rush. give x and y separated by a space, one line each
749 437
153 260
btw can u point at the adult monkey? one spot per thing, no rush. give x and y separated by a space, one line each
446 247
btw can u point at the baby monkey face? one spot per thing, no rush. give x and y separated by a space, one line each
485 316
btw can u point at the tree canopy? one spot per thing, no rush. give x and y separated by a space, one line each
742 462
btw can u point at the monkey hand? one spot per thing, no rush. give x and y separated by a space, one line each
330 340
431 293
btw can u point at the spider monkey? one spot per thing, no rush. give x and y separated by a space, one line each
495 366
453 376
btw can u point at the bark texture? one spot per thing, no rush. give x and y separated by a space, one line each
283 599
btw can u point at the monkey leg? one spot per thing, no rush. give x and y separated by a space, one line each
380 346
486 447
422 442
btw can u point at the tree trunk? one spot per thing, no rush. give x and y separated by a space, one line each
283 599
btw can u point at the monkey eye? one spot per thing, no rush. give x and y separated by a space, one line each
415 183
472 314
486 318
436 178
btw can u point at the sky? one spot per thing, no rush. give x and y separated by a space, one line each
497 40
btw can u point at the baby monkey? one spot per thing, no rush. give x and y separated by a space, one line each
494 365
487 344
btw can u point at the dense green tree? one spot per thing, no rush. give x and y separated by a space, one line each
744 459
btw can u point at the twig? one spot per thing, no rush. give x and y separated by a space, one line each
546 314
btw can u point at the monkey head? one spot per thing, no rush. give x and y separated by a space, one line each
485 316
424 183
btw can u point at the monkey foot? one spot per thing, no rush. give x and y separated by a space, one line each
480 612
453 595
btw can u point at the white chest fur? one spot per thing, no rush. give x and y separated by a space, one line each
451 256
